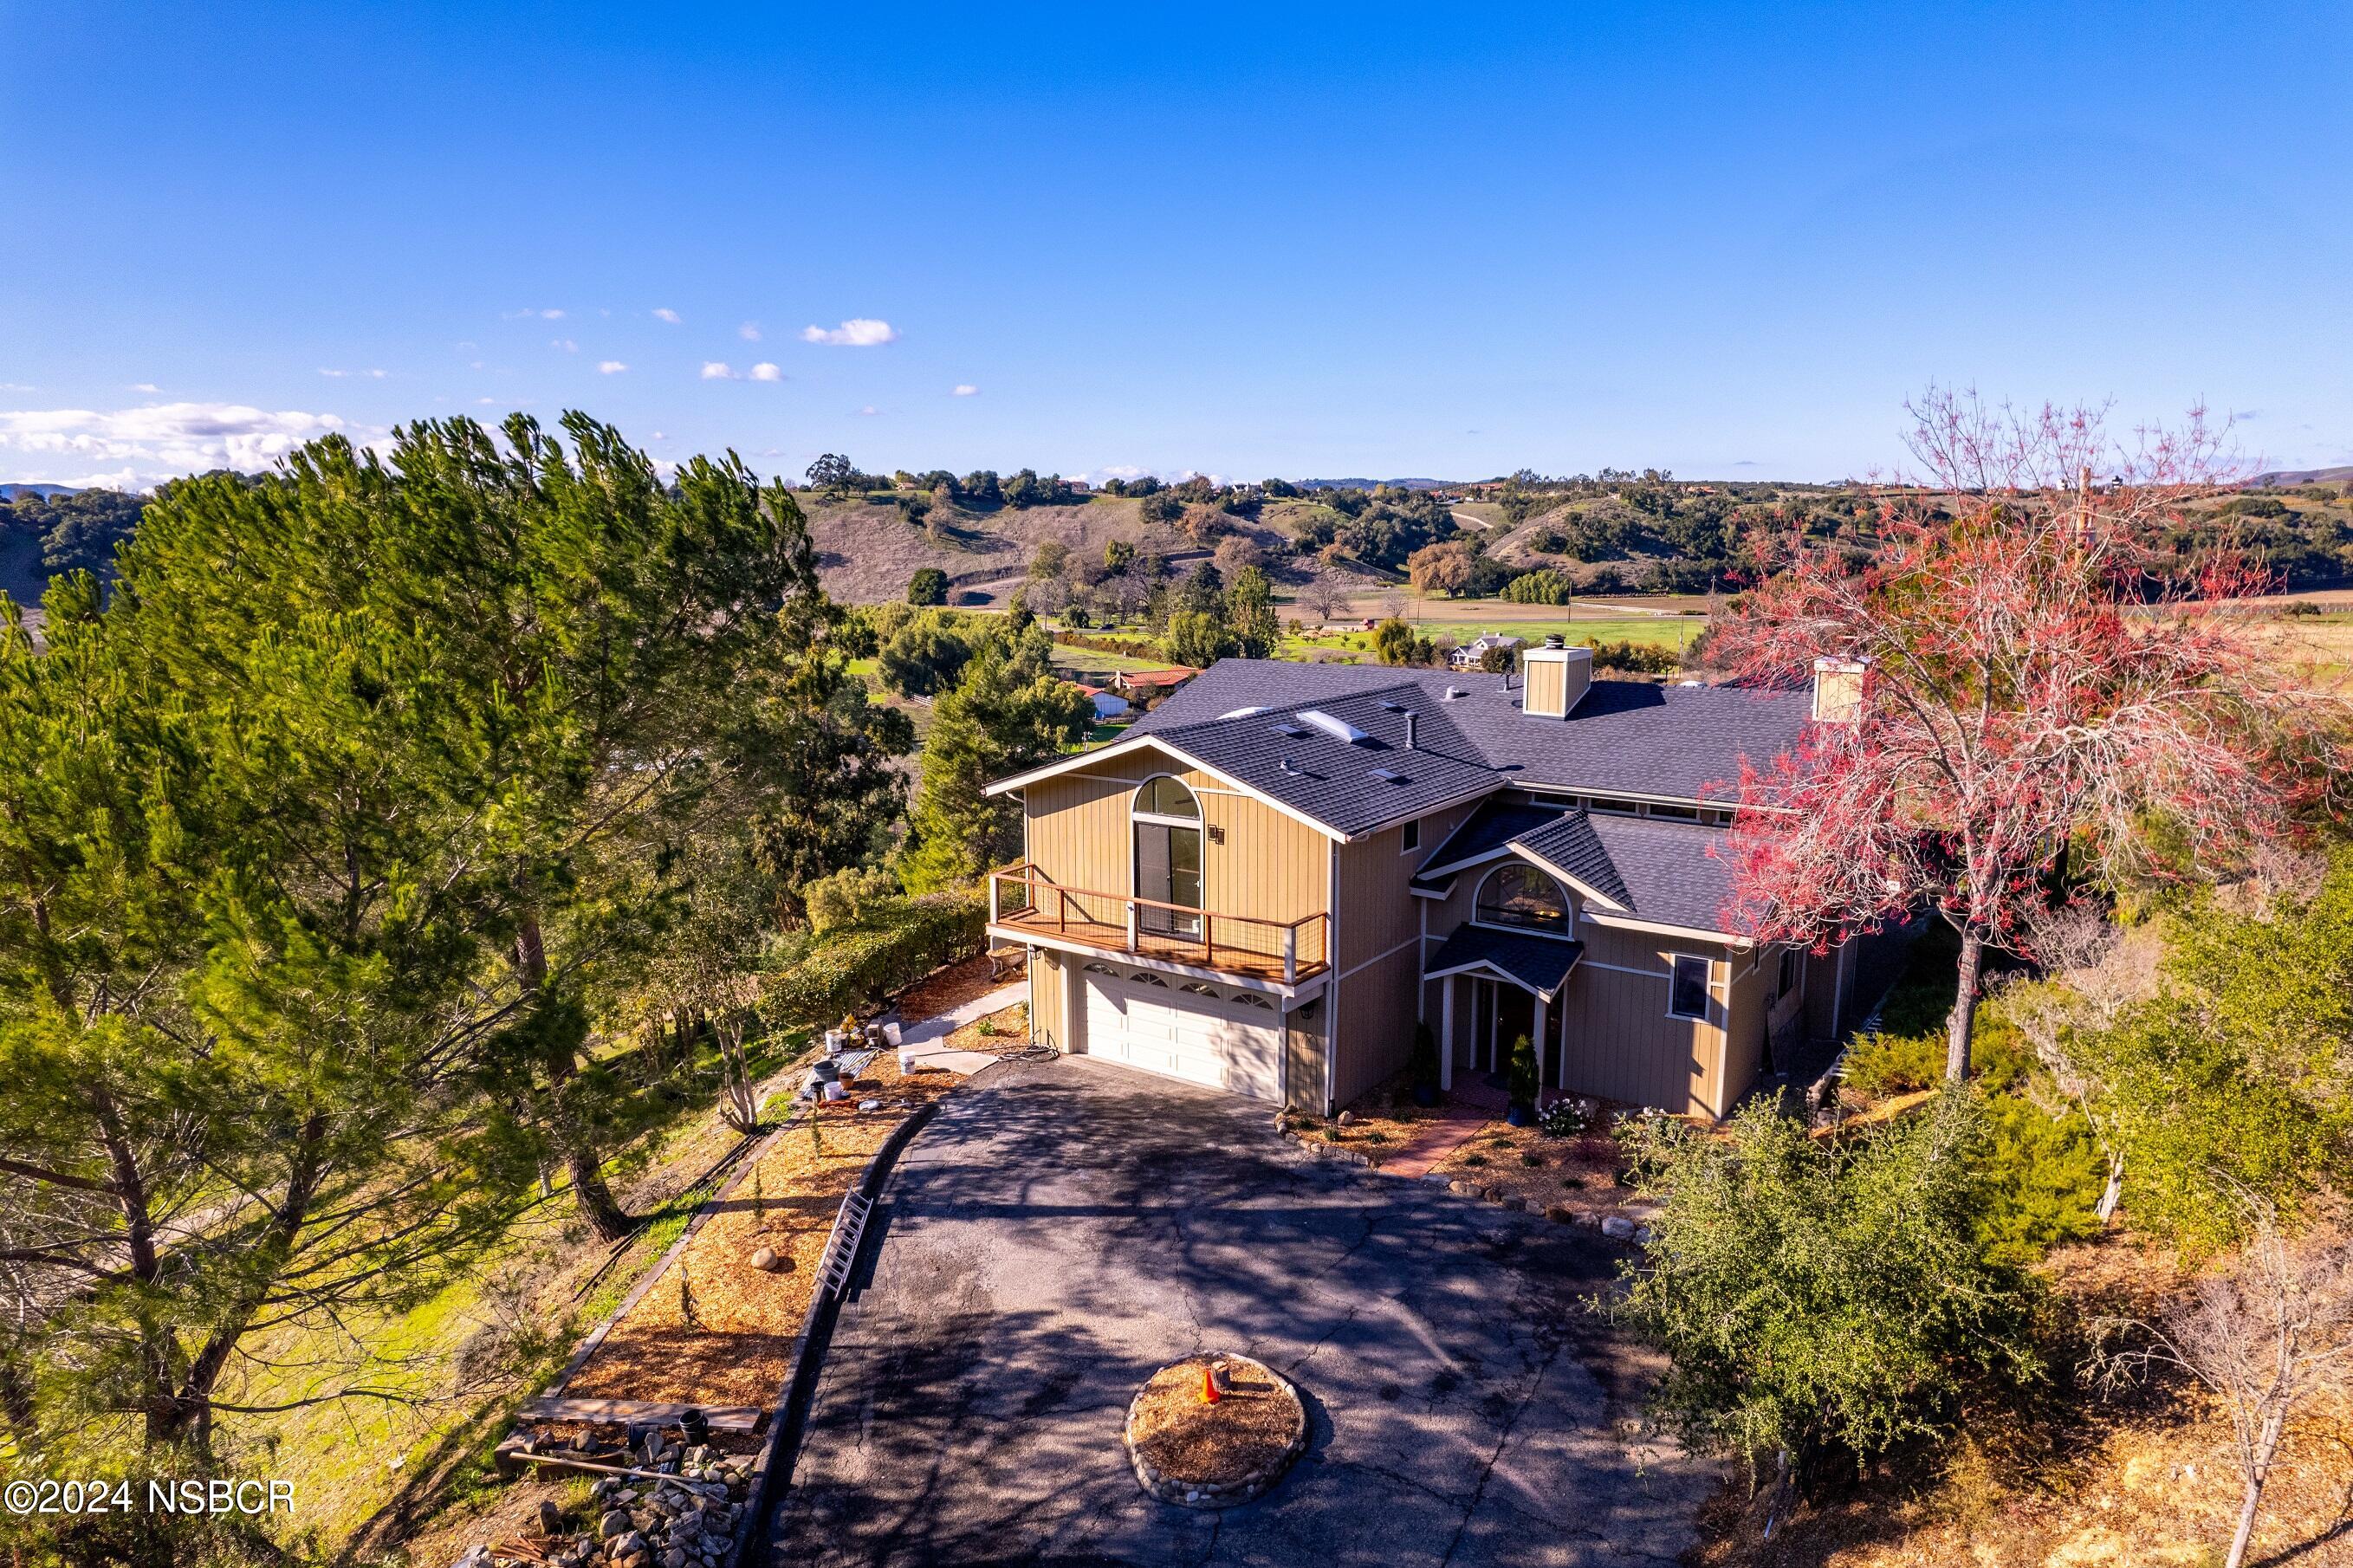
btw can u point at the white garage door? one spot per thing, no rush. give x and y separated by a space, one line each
1222 1035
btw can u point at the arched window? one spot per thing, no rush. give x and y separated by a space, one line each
1520 895
1167 823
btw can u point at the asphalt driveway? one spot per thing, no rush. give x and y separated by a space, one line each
1063 1228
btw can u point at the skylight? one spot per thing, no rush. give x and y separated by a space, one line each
1290 728
1244 713
1388 775
1338 728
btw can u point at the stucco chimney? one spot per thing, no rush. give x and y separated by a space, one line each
1839 685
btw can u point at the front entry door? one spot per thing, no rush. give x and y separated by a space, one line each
1169 871
1515 1015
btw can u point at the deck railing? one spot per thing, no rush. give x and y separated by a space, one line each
1024 896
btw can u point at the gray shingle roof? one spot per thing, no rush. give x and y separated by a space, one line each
1491 827
1682 743
1570 843
1349 786
1677 873
1539 962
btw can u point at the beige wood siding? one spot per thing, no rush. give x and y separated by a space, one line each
1546 687
1378 909
1303 1044
1255 860
1050 1011
1376 1020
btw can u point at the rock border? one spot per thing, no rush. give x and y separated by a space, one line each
1161 1487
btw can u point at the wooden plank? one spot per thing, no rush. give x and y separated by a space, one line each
723 1418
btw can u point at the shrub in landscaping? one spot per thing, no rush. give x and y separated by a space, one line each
2042 1178
1821 1298
1885 1063
897 942
1422 1063
1561 1119
1525 1083
1531 1159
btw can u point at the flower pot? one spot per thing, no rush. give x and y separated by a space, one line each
1520 1115
826 1070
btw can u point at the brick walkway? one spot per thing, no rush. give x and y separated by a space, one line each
1470 1105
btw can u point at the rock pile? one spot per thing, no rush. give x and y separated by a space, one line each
686 1520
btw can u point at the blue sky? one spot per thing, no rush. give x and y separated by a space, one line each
1250 240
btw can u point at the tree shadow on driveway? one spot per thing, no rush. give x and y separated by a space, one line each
1063 1229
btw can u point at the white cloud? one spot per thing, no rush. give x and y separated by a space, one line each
858 332
566 345
157 442
764 371
664 313
610 367
527 315
749 331
371 375
965 389
142 386
718 370
870 408
485 402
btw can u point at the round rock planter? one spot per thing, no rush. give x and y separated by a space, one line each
1194 1454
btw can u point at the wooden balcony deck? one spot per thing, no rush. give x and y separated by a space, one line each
1023 904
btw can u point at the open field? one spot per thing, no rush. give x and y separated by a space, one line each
1653 631
1089 662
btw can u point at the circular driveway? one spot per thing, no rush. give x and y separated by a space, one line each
1061 1229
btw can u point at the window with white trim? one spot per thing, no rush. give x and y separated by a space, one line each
1687 987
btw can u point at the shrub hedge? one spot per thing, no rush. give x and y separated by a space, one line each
896 943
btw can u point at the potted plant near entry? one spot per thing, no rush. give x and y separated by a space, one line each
1421 1066
1524 1083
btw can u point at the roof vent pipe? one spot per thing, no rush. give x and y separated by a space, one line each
1552 639
1412 726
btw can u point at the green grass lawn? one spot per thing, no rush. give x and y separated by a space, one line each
1654 631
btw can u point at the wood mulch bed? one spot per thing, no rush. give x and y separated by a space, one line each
726 1337
1198 1444
948 988
1577 1176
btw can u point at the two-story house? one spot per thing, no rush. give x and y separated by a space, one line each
1269 881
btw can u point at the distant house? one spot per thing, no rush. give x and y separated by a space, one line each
1138 682
1108 704
1080 487
1469 655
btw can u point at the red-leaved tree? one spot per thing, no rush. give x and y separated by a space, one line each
2047 681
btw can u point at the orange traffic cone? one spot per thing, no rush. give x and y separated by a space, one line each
1208 1386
